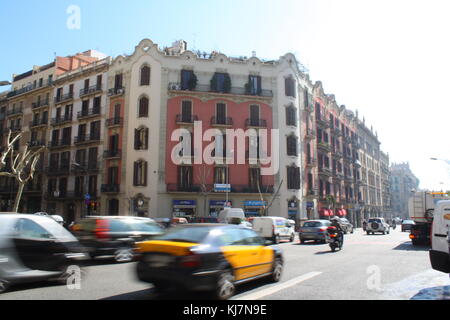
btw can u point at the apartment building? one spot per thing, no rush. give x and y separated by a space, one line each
110 128
75 145
370 154
403 184
28 108
386 196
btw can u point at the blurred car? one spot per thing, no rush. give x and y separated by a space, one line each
377 225
314 230
406 225
212 257
204 220
35 248
346 225
115 235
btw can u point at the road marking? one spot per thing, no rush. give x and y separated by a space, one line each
278 287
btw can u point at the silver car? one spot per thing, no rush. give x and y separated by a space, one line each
314 230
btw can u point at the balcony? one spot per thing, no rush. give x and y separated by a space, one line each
255 123
40 104
266 189
36 143
337 131
14 112
112 154
347 139
55 170
312 193
87 138
116 91
36 123
84 168
183 188
323 123
186 119
59 143
221 121
348 179
176 86
324 146
91 90
325 171
338 175
14 129
337 154
61 120
310 134
64 195
110 188
64 98
90 113
311 162
112 122
29 88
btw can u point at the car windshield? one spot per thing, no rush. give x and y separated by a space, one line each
312 224
144 226
185 234
56 230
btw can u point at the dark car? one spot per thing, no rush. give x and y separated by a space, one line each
346 225
407 224
34 248
314 230
115 236
211 257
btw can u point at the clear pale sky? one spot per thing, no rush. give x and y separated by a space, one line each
387 59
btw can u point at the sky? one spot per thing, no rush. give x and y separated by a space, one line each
386 59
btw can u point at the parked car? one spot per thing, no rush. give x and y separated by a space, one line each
377 225
407 224
212 257
274 228
314 230
34 248
115 235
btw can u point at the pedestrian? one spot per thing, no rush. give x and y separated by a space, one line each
364 224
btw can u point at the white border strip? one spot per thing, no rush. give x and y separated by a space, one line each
278 287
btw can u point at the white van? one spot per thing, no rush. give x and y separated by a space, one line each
274 228
440 237
229 214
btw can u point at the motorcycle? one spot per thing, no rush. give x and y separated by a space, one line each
334 239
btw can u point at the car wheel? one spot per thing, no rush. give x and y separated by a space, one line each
302 241
4 285
123 255
368 232
225 286
276 239
291 239
277 270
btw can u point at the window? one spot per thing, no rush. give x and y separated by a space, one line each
221 113
254 115
188 80
97 105
184 176
186 111
79 185
293 178
92 158
65 160
113 175
254 85
289 87
143 107
221 82
81 132
66 136
254 178
140 173
92 185
145 76
291 146
291 116
141 139
95 130
221 175
113 207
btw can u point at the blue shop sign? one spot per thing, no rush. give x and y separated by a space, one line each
309 204
255 203
184 202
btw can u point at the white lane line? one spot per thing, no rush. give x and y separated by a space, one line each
278 287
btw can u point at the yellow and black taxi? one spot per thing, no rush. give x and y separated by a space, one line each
205 256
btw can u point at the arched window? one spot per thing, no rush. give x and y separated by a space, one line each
291 142
141 139
143 107
291 119
140 173
293 178
289 84
145 76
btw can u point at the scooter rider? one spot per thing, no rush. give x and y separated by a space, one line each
336 223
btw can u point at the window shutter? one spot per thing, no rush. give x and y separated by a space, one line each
259 89
146 139
145 173
135 172
136 139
